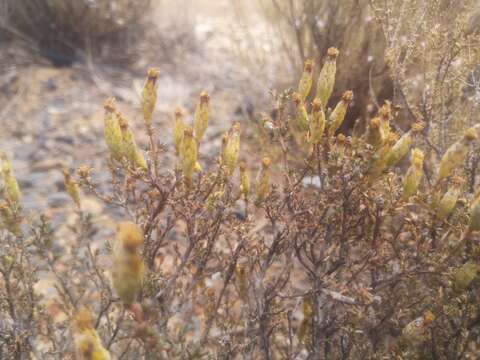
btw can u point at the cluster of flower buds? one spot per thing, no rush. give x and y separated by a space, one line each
414 174
128 267
186 139
149 97
88 345
120 139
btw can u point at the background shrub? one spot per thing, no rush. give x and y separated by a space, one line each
62 28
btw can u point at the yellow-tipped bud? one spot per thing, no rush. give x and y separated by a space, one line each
12 190
301 118
474 224
129 236
149 96
326 80
450 198
402 146
385 115
72 187
112 131
305 329
455 156
337 116
10 218
374 135
464 276
128 270
244 180
189 154
202 112
178 130
88 345
414 174
263 182
305 84
130 148
231 151
317 124
242 281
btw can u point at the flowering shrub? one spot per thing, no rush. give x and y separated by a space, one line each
333 251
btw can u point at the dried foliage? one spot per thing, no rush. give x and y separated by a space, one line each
59 27
330 252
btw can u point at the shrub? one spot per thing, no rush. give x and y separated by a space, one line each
331 252
60 28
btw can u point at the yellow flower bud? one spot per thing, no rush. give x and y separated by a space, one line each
301 118
374 134
128 269
88 345
72 188
244 180
317 123
449 199
12 190
337 116
326 80
129 236
149 96
305 84
464 276
242 281
474 224
130 149
305 329
231 151
202 112
112 131
402 146
263 181
414 174
11 218
188 153
455 155
385 115
178 130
